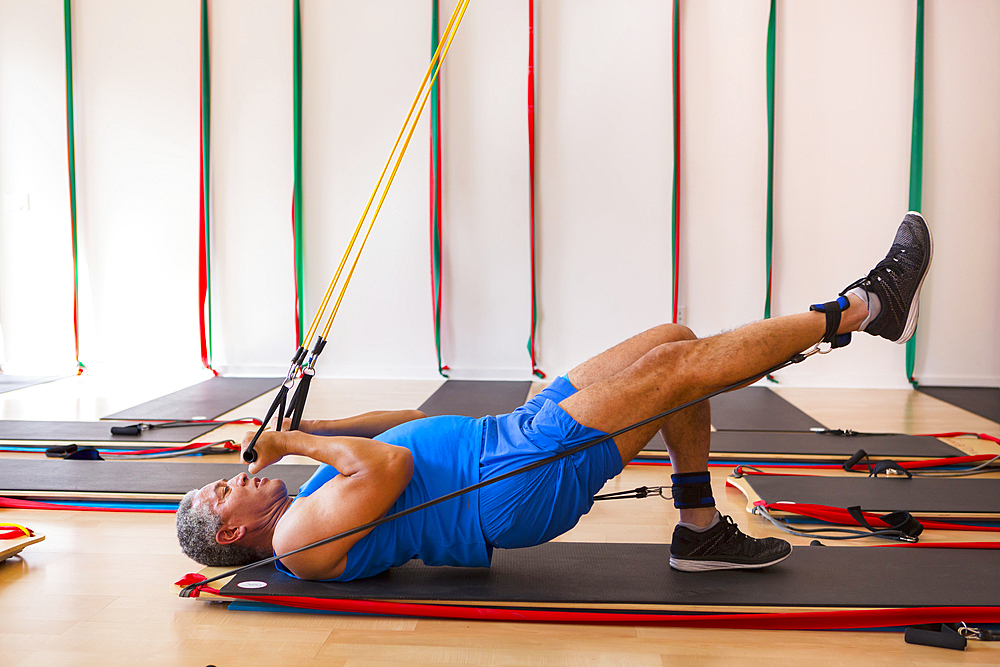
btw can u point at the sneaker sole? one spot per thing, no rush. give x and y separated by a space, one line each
911 316
710 565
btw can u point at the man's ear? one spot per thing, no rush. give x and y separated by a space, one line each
229 534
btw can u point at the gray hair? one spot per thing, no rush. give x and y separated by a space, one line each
196 531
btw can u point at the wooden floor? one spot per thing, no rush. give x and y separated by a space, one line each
98 590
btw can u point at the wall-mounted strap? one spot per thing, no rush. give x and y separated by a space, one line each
71 154
531 183
916 156
769 219
769 228
297 161
675 208
435 191
204 237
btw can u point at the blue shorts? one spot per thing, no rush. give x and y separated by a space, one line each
536 506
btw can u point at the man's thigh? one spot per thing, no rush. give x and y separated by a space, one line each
626 353
649 386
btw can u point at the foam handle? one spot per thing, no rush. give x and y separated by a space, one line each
855 460
134 429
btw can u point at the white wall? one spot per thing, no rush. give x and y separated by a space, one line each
604 166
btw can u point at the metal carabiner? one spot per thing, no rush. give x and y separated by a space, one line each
969 633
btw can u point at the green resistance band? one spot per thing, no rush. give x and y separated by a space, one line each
916 157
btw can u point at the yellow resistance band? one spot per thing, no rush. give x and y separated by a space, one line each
433 70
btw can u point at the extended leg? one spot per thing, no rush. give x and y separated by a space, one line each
884 303
673 373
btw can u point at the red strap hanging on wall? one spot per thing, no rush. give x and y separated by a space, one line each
204 253
297 168
435 192
71 156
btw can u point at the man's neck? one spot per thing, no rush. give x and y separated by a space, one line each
266 532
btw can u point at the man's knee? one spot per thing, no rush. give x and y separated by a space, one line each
670 333
674 361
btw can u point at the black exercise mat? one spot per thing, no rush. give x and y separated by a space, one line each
758 409
205 400
983 401
592 575
729 444
11 429
476 398
116 477
15 382
920 495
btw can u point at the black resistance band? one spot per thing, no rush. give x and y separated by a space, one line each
797 358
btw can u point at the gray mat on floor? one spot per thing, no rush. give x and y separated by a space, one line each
15 382
117 477
593 575
786 446
758 409
983 401
96 432
951 496
205 400
476 398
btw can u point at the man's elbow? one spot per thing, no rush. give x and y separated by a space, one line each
400 464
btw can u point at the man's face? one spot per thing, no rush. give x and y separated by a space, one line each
243 500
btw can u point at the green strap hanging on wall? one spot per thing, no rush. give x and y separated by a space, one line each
675 208
769 225
435 191
769 229
916 157
297 160
71 154
204 236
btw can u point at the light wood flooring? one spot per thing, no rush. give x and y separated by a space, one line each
98 590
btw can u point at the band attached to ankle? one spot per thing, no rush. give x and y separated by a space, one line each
832 309
691 490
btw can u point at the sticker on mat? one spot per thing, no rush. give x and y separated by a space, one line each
252 584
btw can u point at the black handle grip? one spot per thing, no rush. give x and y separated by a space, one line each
855 460
134 429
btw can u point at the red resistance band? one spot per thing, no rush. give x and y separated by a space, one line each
822 620
909 465
18 504
12 532
841 516
167 450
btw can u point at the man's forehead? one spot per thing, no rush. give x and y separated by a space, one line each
204 494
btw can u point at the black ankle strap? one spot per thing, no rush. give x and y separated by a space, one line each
833 309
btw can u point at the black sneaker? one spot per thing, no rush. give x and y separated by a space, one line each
896 280
724 547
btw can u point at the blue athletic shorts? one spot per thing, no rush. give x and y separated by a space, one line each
536 506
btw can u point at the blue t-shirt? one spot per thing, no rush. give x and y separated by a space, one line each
446 453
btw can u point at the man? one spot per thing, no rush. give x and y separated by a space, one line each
385 462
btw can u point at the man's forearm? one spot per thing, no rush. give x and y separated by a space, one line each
367 425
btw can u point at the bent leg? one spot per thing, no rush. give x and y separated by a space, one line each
686 433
